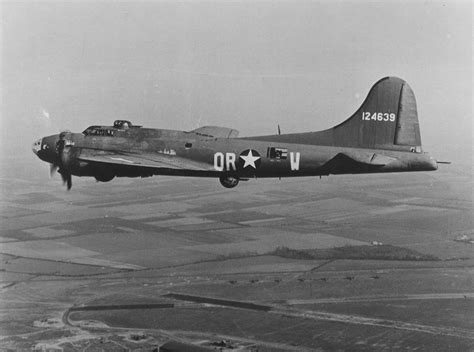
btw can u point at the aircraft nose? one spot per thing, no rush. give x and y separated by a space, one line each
37 146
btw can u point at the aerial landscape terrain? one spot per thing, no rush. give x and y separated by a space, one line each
365 262
369 262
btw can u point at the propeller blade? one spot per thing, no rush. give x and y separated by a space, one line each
52 169
64 159
63 176
67 178
69 181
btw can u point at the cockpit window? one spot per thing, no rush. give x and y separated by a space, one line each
99 131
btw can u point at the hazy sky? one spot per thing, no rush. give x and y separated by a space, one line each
246 65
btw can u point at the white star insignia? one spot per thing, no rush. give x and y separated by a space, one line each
249 159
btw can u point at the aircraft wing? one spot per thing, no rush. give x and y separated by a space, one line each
144 160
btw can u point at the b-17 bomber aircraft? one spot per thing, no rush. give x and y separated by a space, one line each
383 135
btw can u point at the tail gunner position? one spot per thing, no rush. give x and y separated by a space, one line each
383 135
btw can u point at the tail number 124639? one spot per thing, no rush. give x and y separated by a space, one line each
378 116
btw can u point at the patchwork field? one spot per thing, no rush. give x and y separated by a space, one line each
97 263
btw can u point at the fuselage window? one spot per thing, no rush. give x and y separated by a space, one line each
100 132
88 131
277 153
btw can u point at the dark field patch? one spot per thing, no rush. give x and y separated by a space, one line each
211 226
19 235
383 252
221 302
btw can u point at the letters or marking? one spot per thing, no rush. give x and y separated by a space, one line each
230 161
224 162
250 158
295 161
167 151
277 153
219 161
378 116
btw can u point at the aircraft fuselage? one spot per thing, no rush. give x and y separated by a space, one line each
381 136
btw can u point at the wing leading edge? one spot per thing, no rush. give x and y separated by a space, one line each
143 160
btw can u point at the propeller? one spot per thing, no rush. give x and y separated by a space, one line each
62 164
52 169
67 179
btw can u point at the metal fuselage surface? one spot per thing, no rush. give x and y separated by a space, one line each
223 155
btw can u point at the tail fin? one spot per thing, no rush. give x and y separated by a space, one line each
387 119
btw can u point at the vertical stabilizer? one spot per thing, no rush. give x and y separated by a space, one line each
387 119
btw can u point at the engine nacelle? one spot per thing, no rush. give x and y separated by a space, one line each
103 174
229 181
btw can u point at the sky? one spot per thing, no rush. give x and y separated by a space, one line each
305 65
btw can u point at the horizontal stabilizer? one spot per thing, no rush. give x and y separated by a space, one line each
381 160
356 163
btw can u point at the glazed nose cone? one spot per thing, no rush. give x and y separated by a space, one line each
36 147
